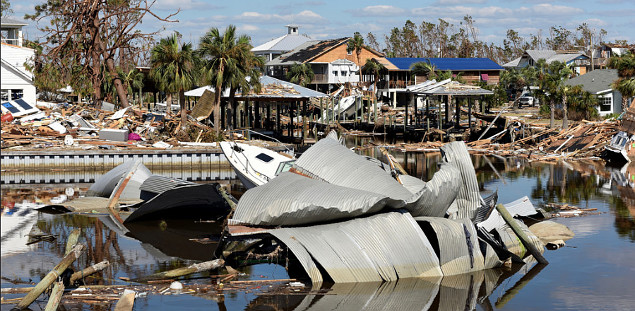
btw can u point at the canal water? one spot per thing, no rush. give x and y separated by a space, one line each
594 271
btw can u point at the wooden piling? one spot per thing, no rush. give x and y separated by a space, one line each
199 267
58 288
521 234
50 277
126 302
90 270
56 296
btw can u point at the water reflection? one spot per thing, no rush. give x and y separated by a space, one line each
460 292
154 246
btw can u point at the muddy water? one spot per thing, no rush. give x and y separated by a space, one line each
595 271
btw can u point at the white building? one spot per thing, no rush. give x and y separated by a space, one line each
599 83
275 47
17 82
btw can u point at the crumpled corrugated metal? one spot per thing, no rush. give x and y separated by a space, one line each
383 247
292 199
468 200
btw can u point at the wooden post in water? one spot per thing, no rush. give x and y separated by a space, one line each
58 288
90 270
521 234
50 277
126 302
199 267
55 297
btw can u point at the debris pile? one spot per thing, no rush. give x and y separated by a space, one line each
349 219
84 126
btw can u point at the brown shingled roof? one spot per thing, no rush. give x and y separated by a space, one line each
313 51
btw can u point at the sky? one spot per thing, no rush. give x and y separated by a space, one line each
324 19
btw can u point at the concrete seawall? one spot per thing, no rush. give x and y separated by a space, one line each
79 166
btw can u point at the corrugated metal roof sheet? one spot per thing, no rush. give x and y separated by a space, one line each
468 200
384 247
520 207
454 64
459 250
292 199
438 194
301 254
330 161
156 184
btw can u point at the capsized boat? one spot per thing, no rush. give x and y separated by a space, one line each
255 165
617 151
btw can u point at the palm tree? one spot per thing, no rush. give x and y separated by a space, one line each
513 80
301 74
553 83
246 78
625 84
132 80
626 87
356 43
423 69
375 68
223 53
174 69
583 102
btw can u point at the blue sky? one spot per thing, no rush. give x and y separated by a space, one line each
264 20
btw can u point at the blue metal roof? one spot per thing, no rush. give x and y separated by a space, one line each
454 64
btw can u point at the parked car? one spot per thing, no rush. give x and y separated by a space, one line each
526 101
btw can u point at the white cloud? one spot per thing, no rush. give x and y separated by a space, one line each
305 17
448 2
379 10
247 27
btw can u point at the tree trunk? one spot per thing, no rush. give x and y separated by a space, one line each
183 110
219 91
168 104
552 107
231 118
121 91
565 119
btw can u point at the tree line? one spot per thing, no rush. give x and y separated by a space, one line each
444 39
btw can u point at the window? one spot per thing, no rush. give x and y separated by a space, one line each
606 103
335 73
12 94
263 157
284 166
343 73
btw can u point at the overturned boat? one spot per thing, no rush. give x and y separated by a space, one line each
255 165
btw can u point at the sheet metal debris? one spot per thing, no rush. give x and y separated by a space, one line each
384 247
